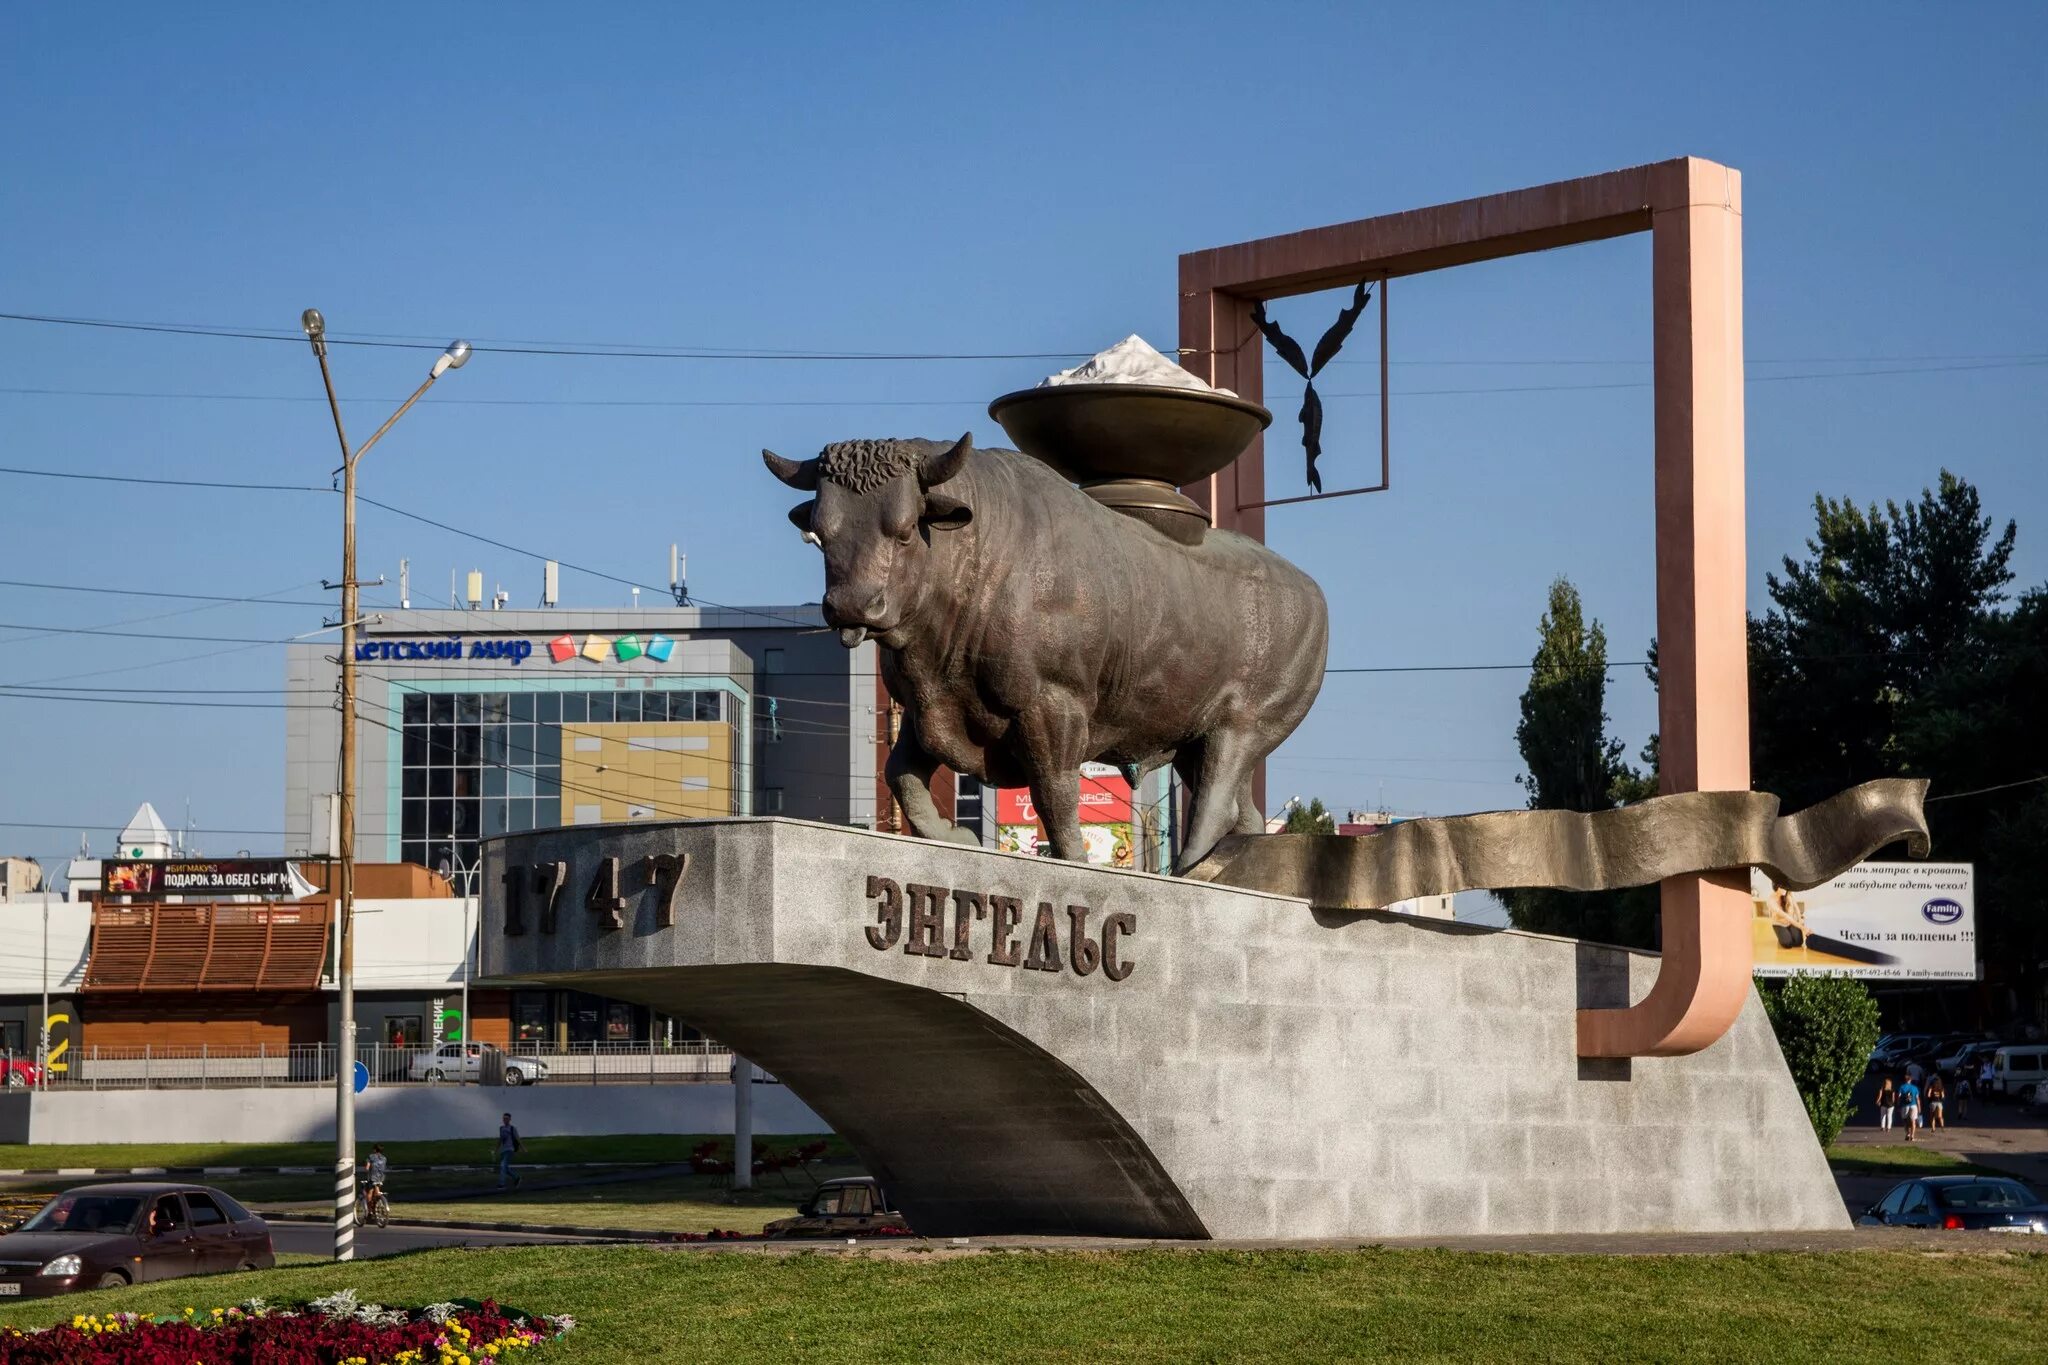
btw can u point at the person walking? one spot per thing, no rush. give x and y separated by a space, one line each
508 1145
1936 1093
1887 1100
1963 1091
1909 1107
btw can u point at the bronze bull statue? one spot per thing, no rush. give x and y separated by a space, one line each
1026 629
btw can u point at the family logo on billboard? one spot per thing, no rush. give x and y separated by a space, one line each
516 651
1941 910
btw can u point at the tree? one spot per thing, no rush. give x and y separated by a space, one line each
1572 764
1889 605
1310 819
1826 1026
1887 652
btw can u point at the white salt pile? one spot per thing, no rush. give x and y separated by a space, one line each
1131 361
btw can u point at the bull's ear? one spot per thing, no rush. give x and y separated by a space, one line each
944 513
938 468
796 473
800 515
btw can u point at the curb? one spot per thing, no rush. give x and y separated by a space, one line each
312 1170
454 1225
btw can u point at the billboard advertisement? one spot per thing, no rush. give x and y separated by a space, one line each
1878 921
1105 818
197 877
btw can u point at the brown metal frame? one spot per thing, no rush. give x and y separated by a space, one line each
1693 210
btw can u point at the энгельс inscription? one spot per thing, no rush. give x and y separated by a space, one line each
1036 947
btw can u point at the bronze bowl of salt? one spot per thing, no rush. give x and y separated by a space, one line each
1130 446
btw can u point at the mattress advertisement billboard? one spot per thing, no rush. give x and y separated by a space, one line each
1878 921
1105 819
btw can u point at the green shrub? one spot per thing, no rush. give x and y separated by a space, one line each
1826 1026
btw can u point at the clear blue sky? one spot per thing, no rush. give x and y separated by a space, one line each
958 179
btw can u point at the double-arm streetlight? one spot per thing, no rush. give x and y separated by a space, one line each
453 358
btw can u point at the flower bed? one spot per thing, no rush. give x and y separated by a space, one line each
336 1330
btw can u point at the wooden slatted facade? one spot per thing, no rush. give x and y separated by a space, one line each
207 947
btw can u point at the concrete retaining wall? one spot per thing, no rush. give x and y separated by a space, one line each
392 1115
1264 1070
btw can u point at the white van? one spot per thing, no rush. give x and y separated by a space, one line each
2014 1070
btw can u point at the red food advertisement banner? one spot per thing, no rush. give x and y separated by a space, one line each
1105 799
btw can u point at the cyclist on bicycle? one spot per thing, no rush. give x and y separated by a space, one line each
373 1174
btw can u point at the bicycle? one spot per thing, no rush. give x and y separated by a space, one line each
373 1207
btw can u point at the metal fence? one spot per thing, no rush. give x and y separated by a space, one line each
201 1067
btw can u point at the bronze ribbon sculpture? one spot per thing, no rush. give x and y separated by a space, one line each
1665 836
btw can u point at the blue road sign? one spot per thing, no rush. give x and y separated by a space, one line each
362 1078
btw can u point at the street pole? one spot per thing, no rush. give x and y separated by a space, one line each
43 1046
469 889
345 890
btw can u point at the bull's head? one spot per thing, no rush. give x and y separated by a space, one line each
877 508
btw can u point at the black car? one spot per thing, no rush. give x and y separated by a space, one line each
1991 1203
851 1207
100 1236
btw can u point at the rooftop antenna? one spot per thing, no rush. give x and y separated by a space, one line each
636 599
678 573
475 594
551 584
499 597
454 597
405 584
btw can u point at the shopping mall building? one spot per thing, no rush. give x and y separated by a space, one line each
478 723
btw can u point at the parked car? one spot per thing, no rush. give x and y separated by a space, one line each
2016 1067
476 1062
1967 1057
842 1208
1983 1202
101 1236
1928 1051
22 1072
1891 1049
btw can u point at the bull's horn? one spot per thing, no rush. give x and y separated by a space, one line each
796 473
936 469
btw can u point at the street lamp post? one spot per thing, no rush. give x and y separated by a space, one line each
345 1042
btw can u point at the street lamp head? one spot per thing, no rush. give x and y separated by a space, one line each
454 358
315 325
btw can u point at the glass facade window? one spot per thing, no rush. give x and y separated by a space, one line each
479 764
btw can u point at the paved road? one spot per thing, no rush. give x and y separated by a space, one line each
317 1239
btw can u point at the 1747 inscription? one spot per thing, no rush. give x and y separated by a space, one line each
915 915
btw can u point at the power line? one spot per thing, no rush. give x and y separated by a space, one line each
2027 362
503 348
1980 791
138 635
118 825
668 351
165 483
158 592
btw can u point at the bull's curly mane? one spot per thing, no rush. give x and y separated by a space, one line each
866 465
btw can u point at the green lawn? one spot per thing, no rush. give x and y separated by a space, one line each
636 1303
1901 1158
480 1151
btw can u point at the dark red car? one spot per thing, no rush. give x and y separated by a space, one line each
100 1236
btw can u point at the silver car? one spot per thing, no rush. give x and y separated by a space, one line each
476 1062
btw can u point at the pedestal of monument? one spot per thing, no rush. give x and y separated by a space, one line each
1017 1045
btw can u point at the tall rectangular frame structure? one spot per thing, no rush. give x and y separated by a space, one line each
1692 209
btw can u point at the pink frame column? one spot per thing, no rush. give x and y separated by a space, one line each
1693 209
